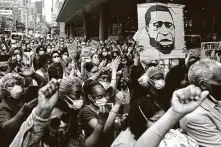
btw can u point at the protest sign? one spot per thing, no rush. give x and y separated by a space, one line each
86 52
72 50
161 31
211 50
94 44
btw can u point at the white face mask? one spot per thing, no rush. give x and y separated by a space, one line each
77 104
159 84
56 60
41 52
101 102
16 92
64 57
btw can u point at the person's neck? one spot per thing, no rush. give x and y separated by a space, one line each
94 107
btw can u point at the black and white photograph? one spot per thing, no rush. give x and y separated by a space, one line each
110 73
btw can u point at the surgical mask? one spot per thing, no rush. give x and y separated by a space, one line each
18 57
78 104
64 57
41 52
106 85
49 50
56 60
101 102
96 61
16 92
104 53
159 84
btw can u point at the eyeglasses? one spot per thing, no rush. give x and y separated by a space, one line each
157 25
104 78
56 122
101 96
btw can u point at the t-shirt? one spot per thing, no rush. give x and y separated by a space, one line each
124 139
85 115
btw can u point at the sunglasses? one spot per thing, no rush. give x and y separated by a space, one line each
159 24
56 122
56 56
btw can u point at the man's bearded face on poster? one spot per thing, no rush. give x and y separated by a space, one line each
160 28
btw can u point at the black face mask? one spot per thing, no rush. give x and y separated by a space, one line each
216 89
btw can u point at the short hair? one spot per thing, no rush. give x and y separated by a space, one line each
155 8
55 71
43 59
149 109
202 70
38 48
55 52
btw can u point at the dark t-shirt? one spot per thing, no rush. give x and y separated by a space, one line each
8 109
85 115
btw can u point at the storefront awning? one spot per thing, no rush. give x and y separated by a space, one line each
71 8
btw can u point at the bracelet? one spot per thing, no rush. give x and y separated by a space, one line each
39 118
157 132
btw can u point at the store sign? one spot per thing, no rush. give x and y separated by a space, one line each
5 12
160 31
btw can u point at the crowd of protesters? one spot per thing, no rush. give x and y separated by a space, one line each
53 98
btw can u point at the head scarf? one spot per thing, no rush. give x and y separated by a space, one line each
7 78
67 84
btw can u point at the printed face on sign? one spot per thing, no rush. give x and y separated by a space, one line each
160 28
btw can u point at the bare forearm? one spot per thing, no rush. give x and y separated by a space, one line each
94 139
153 136
11 126
40 80
111 119
114 79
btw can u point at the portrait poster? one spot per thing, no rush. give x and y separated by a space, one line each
161 31
211 50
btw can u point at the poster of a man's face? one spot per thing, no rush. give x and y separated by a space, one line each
160 31
160 28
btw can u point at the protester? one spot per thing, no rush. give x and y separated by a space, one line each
13 110
101 93
203 124
184 101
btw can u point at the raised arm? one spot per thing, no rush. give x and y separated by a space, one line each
184 101
114 67
32 130
94 139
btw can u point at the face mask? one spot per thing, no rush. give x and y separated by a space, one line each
41 52
96 61
77 104
49 50
16 92
101 102
106 85
56 60
18 58
159 84
104 53
64 57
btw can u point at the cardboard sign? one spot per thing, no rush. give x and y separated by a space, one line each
72 50
94 44
160 31
85 52
211 50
